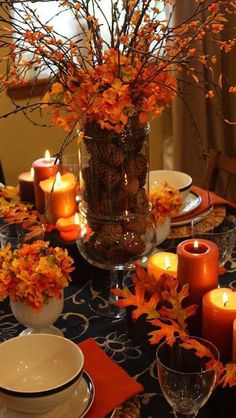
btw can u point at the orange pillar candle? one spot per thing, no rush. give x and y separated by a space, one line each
198 266
43 169
60 193
234 342
161 263
218 314
26 186
69 228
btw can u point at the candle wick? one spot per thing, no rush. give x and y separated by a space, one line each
225 303
168 268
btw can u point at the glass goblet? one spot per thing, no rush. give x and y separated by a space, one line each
186 379
224 236
21 233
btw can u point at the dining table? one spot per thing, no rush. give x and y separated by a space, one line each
115 337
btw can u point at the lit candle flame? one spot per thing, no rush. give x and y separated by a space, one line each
47 156
32 172
58 180
76 219
195 244
225 299
167 263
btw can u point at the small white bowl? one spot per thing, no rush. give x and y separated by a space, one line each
178 179
38 372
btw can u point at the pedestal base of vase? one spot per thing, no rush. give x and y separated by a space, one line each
107 306
51 329
41 321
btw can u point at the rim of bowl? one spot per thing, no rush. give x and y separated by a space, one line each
187 176
33 394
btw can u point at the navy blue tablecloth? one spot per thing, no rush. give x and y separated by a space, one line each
79 322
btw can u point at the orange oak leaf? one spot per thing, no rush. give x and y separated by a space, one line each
200 349
167 330
175 298
229 376
138 300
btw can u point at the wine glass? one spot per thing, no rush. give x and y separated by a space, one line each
224 236
186 376
21 233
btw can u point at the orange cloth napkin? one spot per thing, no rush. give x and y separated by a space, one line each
113 385
208 199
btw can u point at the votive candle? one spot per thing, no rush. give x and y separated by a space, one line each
162 262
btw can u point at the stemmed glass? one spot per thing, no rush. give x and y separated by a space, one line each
224 235
187 377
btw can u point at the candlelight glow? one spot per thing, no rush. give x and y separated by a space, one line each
32 172
167 263
58 180
195 244
76 219
225 299
47 156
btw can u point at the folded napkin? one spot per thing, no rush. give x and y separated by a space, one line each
207 199
113 385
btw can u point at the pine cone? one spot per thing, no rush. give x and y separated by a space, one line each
131 187
133 244
139 226
110 235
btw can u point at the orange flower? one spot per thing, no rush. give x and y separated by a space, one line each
33 273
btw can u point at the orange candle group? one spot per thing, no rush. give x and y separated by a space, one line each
218 315
43 169
198 266
26 186
161 263
59 193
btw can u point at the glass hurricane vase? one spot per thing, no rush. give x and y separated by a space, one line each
41 321
115 206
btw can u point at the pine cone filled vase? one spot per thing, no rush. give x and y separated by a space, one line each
114 200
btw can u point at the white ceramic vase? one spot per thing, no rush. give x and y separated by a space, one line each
38 322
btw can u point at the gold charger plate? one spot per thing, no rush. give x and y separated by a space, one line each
213 219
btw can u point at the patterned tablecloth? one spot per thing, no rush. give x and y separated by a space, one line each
78 322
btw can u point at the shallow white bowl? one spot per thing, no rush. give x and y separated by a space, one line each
178 179
38 372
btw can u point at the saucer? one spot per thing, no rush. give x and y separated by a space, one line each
192 201
75 407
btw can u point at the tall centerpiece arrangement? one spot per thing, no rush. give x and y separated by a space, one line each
124 65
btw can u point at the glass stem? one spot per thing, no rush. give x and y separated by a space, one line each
179 415
117 282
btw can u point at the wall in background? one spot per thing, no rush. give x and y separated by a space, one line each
21 142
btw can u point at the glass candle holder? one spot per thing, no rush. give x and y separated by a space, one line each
18 234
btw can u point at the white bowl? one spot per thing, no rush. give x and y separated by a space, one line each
38 372
178 179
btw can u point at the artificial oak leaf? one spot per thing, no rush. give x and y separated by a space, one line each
175 298
148 307
139 300
200 349
167 330
128 298
229 377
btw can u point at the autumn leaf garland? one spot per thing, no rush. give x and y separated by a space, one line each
162 303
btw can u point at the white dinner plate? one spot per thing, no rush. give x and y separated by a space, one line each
75 407
192 201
